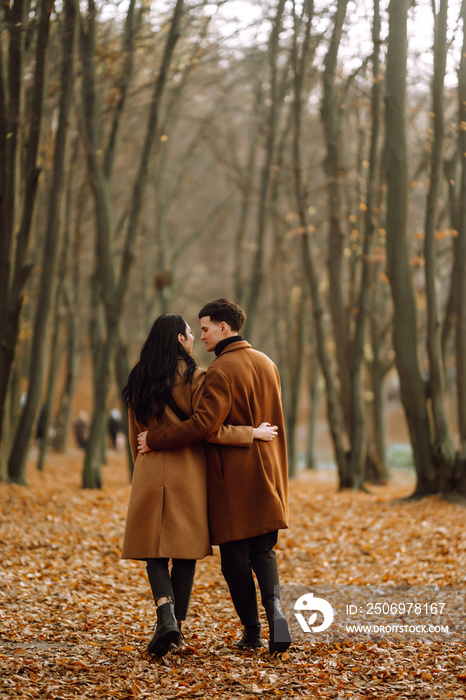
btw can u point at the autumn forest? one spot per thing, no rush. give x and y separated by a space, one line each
306 158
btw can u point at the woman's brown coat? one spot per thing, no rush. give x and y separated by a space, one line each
167 511
248 487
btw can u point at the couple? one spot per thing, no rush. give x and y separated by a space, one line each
173 407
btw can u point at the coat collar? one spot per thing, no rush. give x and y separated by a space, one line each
239 345
222 344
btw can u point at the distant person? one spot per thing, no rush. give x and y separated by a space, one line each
114 426
247 488
167 511
81 426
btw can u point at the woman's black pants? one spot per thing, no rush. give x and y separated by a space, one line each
239 559
176 584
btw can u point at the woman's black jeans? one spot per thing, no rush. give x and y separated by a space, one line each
176 584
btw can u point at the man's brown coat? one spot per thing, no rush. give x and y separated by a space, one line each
247 487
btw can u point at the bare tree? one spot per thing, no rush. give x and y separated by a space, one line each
405 339
19 174
442 443
113 289
358 453
460 337
18 454
334 408
251 300
381 362
331 122
69 309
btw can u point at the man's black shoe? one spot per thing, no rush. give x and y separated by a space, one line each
279 634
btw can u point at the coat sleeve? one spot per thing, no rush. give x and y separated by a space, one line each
133 434
211 413
235 435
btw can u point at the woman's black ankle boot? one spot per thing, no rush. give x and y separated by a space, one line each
166 632
180 643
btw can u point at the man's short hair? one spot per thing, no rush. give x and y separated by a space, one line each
224 310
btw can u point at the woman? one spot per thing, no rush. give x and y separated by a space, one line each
167 511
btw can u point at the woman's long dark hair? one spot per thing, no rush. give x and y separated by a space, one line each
153 377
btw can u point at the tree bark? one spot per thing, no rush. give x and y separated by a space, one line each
405 336
14 271
378 417
358 422
331 123
257 270
291 366
379 367
444 449
113 291
46 406
246 199
71 259
104 284
63 414
14 19
460 335
450 170
334 408
18 455
314 399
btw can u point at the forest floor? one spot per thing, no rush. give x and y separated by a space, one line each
75 620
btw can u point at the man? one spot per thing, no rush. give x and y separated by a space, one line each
247 487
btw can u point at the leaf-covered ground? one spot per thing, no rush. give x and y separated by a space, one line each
75 620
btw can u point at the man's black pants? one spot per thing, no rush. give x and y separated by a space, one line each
239 559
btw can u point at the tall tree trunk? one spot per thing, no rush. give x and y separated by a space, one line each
92 476
378 418
450 170
71 258
113 291
460 340
14 270
56 349
334 408
444 449
379 367
13 18
46 406
18 455
314 400
245 206
331 122
257 270
104 284
63 414
357 410
405 337
294 360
